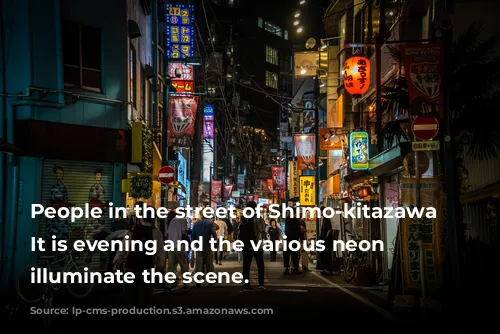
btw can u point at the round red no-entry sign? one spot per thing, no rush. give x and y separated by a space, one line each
425 128
166 175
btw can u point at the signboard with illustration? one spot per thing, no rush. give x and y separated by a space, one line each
359 150
306 151
423 65
181 120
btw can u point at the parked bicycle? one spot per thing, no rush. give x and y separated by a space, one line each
353 261
44 292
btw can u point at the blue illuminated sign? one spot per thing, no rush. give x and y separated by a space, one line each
179 31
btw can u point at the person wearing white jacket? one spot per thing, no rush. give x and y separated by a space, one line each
221 234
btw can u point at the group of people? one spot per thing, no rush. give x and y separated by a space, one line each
175 229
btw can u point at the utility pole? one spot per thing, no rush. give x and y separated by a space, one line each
378 75
316 143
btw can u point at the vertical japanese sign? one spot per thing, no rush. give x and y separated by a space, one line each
293 183
216 190
308 115
423 65
182 78
181 120
179 31
228 189
306 151
208 121
431 231
307 192
359 150
278 173
182 170
269 185
208 158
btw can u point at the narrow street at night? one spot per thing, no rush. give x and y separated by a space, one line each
331 165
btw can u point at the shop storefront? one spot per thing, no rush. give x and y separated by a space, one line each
74 184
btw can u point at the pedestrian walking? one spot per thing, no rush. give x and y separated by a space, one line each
204 230
139 292
177 231
252 229
292 232
221 234
274 235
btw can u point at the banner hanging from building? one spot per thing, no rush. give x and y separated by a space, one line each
208 121
431 230
330 139
306 151
269 184
359 150
208 158
181 120
180 71
216 190
241 183
293 182
424 69
307 192
305 63
278 173
228 189
179 31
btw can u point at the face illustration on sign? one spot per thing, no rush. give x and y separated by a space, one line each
182 115
426 78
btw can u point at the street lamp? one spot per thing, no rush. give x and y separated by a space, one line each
296 23
302 2
297 15
300 29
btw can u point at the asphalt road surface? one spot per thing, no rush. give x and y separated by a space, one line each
308 300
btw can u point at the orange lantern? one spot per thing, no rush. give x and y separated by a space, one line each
357 75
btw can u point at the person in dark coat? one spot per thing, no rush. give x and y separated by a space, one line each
292 232
325 260
274 235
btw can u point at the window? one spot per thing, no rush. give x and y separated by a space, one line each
271 55
260 22
81 56
133 76
272 80
274 29
286 34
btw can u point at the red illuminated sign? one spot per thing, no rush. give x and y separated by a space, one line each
183 86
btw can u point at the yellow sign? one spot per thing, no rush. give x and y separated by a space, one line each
431 231
293 183
307 191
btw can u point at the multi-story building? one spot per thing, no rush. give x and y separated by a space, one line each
74 78
248 78
383 114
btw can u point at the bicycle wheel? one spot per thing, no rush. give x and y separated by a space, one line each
26 290
79 290
349 271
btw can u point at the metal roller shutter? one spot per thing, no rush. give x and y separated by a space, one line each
79 185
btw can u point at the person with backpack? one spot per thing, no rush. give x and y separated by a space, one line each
139 292
252 229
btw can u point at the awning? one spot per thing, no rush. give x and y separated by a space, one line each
389 160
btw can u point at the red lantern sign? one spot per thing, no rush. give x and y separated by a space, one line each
357 75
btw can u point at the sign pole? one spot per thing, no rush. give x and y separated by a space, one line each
316 116
164 132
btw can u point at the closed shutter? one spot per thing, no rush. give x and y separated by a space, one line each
78 185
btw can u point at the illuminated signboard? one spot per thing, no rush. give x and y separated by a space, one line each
359 154
208 159
208 121
182 86
180 71
179 31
